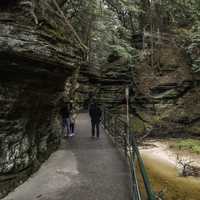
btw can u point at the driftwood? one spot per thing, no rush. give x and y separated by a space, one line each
187 169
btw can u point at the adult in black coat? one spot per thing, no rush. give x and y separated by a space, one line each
95 115
65 113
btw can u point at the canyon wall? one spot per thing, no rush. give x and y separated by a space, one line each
38 53
167 102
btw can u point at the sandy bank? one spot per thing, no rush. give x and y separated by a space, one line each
162 168
160 150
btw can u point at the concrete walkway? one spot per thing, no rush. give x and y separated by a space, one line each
82 169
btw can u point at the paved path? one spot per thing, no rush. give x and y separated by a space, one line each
82 169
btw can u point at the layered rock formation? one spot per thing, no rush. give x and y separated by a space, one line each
115 77
107 83
167 101
38 52
88 85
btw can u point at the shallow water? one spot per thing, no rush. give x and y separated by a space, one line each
164 176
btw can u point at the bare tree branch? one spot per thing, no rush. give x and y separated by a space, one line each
60 14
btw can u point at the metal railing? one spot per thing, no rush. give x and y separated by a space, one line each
125 140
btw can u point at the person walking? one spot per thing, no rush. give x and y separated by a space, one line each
72 122
65 113
95 115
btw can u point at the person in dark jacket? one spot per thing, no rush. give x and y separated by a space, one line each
65 113
95 115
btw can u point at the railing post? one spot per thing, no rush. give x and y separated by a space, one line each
104 118
115 126
125 139
112 126
108 120
147 184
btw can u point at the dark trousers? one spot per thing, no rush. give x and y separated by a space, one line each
72 127
95 125
66 126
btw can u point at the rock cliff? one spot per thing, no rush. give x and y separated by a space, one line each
167 102
38 53
115 77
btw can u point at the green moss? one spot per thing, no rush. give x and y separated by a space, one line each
156 119
188 144
56 33
193 129
153 119
137 125
168 94
54 30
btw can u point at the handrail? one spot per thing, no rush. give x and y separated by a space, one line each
118 130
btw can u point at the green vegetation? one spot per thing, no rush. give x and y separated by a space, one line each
193 49
188 144
100 28
193 129
137 125
164 178
107 27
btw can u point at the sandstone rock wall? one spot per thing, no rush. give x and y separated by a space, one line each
107 84
38 53
115 77
167 102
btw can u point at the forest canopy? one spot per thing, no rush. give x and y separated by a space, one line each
109 26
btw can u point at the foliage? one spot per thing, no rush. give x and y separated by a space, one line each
184 17
107 26
121 45
129 12
188 144
100 29
194 47
81 14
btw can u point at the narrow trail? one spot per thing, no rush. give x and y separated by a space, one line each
82 168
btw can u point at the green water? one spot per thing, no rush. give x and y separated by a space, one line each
165 177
